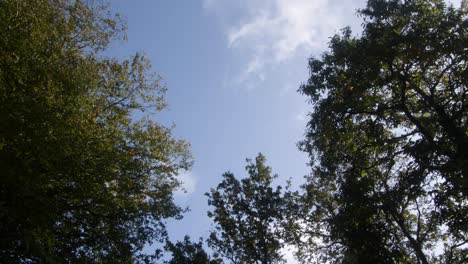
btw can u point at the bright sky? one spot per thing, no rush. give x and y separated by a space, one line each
233 69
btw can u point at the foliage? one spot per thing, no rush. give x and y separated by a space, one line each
187 252
248 215
388 139
86 176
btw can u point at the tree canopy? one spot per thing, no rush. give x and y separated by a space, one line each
388 138
188 252
86 175
248 216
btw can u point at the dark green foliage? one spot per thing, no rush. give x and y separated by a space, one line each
388 139
187 252
248 214
85 176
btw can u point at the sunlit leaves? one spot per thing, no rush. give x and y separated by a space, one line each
248 216
387 136
87 175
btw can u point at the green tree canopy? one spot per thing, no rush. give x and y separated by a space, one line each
187 252
86 175
248 216
388 138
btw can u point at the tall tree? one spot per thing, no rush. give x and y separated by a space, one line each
388 138
248 214
86 175
188 252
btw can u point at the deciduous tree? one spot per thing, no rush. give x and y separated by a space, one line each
86 174
388 138
188 252
248 215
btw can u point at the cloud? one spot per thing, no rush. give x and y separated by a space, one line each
269 34
291 24
268 37
188 184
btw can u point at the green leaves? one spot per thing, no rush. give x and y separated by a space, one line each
87 175
187 252
249 215
389 125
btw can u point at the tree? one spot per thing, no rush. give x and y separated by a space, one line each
86 175
187 252
388 138
248 215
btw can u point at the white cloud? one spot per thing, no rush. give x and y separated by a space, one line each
270 36
289 25
188 186
270 33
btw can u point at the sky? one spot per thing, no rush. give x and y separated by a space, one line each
232 69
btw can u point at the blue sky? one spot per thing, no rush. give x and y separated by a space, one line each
232 69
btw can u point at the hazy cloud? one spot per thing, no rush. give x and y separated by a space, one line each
189 183
271 33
